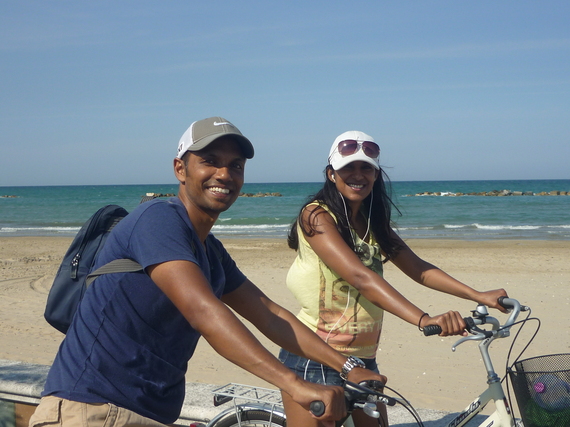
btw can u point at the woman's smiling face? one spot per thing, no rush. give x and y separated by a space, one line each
354 181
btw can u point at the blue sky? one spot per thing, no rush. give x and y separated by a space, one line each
100 92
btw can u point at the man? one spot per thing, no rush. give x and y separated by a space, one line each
126 352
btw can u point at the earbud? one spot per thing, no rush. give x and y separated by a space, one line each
332 178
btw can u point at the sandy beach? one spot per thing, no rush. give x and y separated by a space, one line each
425 370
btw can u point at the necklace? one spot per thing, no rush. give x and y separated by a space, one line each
348 219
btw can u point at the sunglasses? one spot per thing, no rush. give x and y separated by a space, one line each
350 146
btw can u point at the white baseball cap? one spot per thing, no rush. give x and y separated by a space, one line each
338 161
203 132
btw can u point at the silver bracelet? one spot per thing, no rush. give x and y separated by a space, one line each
351 363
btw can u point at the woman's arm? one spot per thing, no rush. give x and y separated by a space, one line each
432 277
329 245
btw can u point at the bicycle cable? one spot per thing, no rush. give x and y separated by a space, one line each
407 405
508 366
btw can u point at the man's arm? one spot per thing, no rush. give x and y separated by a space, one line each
186 286
285 330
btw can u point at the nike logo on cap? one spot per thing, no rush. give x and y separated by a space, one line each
221 123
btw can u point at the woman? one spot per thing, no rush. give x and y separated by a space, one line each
343 236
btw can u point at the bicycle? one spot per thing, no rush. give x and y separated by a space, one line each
502 416
263 406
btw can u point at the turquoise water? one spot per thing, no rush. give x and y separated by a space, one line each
61 210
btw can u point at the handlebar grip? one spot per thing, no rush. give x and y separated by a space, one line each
317 408
502 303
432 330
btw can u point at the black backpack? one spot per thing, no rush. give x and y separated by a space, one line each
73 277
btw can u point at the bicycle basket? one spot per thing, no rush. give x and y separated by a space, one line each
542 389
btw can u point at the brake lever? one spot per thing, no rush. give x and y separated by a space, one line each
369 409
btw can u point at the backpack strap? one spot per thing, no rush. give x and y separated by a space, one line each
125 265
116 266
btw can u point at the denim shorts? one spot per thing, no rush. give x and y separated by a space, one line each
315 372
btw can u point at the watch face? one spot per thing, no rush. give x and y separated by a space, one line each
351 363
356 362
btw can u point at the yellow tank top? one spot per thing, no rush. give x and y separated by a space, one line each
331 307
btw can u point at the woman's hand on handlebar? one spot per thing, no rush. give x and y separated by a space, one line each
491 298
451 323
358 375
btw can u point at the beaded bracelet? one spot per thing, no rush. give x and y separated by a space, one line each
420 321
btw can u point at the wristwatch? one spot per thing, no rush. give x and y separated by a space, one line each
351 363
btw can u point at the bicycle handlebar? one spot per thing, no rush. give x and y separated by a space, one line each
366 395
472 322
357 396
317 408
430 330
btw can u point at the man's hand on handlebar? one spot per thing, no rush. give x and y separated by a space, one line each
331 399
331 396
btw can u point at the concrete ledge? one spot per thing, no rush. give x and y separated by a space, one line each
21 385
199 404
21 382
24 382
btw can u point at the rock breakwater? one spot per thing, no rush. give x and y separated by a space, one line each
493 193
260 195
149 196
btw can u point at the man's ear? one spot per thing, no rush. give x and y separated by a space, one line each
180 170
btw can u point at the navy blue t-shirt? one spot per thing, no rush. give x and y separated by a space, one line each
128 344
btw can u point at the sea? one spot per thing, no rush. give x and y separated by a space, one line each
61 210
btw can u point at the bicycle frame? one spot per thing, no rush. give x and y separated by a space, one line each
269 400
254 399
502 417
271 409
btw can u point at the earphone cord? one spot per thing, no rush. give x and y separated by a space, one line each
327 339
348 220
348 295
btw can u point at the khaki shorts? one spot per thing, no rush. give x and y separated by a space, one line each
54 411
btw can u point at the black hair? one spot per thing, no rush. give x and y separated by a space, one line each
380 214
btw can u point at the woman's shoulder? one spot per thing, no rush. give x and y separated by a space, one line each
316 208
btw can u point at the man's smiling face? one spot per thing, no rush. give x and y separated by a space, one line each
214 176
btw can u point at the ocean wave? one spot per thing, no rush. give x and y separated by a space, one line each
222 229
39 231
253 226
258 230
478 231
502 227
406 228
494 227
476 226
